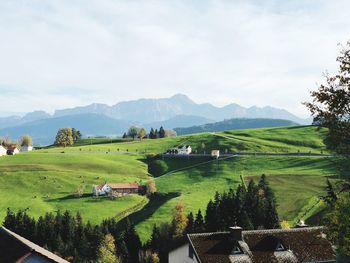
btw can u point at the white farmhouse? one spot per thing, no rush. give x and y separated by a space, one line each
115 189
26 148
3 150
181 150
186 149
215 154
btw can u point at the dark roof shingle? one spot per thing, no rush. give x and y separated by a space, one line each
307 244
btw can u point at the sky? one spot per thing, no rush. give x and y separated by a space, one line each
67 53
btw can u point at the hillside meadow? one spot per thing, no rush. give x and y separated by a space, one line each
45 179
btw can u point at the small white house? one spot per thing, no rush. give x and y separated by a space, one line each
186 149
215 154
3 150
26 148
101 189
181 150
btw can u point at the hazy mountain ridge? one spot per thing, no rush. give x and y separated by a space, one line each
176 111
16 120
44 131
154 110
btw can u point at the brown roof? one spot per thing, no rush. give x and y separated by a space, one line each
12 147
119 186
300 245
14 248
124 186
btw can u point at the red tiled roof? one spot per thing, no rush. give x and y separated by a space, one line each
124 186
12 147
119 186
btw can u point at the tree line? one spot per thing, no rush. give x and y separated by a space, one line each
252 207
141 133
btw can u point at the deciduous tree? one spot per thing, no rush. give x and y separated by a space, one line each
179 222
64 137
26 140
107 251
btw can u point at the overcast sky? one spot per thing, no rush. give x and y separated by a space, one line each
66 53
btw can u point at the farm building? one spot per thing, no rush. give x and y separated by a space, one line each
115 189
181 150
3 150
12 150
26 148
215 154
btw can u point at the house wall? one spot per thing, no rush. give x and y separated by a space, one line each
26 148
181 255
2 151
36 258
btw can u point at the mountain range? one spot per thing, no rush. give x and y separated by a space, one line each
102 119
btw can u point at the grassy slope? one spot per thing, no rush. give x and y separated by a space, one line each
296 180
44 182
287 139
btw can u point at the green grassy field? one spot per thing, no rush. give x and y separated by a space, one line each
295 181
44 180
274 140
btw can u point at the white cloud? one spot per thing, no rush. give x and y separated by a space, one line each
60 54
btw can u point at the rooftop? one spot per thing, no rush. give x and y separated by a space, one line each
14 248
308 244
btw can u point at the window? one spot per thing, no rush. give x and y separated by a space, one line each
237 250
280 247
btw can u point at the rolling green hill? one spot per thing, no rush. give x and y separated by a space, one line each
234 124
44 180
273 140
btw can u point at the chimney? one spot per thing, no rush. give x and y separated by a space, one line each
301 224
236 233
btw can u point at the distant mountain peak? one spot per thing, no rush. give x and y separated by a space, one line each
181 97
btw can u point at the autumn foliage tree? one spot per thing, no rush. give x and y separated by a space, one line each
26 140
179 222
107 251
64 137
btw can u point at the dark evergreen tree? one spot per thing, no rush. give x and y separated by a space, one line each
161 132
132 242
211 223
151 134
199 226
190 223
